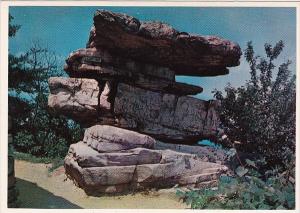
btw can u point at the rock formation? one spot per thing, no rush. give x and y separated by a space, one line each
122 87
110 160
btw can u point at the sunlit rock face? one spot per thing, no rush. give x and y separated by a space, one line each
164 116
141 122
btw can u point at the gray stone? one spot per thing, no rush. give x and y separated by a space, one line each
137 169
159 43
92 59
203 152
81 64
73 97
99 176
105 96
165 116
85 156
105 138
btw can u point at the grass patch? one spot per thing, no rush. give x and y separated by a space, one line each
31 158
55 162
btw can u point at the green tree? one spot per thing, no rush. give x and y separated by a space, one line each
261 114
13 28
35 130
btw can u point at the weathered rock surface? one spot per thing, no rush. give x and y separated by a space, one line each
74 97
105 138
86 156
84 100
78 60
122 87
204 153
99 64
135 168
158 43
166 116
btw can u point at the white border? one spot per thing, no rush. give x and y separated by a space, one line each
4 83
255 3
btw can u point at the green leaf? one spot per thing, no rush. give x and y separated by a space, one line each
180 193
241 171
280 208
231 152
250 163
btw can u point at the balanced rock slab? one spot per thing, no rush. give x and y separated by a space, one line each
159 43
78 61
99 64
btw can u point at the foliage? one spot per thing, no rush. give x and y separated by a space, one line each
248 190
13 28
36 131
55 162
260 115
257 118
31 158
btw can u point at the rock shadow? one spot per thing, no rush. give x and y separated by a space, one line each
33 196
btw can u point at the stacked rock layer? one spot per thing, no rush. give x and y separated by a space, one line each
123 87
112 160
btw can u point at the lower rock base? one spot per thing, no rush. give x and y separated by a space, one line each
124 171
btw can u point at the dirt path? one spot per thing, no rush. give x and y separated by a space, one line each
38 189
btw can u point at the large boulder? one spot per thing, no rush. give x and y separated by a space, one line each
86 156
161 44
131 167
105 138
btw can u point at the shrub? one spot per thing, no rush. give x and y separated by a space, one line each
247 190
257 118
261 114
35 130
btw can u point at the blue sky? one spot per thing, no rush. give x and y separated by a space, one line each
65 29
